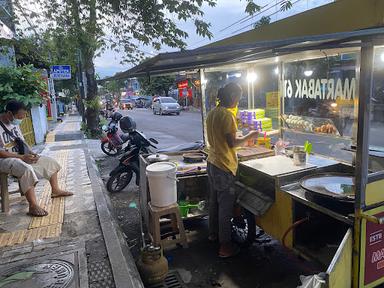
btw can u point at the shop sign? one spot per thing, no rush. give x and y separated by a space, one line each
61 72
323 89
374 251
183 84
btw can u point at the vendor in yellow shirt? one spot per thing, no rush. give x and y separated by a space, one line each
222 166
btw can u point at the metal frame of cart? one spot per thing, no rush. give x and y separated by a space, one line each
355 262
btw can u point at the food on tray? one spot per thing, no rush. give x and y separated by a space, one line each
326 128
309 124
297 122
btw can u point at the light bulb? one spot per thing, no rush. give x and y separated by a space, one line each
308 73
252 77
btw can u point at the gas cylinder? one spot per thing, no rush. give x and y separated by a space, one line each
152 265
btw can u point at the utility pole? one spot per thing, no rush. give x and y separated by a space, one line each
81 85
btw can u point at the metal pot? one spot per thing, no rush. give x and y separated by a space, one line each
157 158
299 156
193 157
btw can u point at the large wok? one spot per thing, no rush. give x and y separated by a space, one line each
335 191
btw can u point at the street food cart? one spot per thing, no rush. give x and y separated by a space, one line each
322 89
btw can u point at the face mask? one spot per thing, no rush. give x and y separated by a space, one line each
15 121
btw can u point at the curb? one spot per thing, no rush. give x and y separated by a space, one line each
124 269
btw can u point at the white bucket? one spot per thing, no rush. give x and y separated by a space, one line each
162 183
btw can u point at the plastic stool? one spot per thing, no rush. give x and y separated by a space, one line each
156 215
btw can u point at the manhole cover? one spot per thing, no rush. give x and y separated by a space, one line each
43 274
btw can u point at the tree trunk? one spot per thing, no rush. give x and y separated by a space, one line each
92 112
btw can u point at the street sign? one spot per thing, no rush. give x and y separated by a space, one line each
61 72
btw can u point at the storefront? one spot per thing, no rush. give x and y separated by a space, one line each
322 89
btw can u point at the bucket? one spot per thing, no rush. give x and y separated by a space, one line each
162 183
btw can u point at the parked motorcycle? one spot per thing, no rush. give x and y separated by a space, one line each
112 143
122 175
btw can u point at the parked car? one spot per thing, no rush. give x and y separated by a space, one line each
126 104
166 105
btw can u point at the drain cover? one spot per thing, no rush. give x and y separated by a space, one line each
171 281
45 274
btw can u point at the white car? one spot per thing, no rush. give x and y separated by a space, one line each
166 105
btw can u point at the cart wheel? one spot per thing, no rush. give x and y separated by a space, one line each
244 229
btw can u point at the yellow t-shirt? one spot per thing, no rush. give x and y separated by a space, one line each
220 121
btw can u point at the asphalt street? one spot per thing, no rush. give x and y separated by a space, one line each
168 130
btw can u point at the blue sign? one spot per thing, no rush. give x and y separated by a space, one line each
61 72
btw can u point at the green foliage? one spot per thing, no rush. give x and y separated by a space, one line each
252 7
156 85
93 104
114 86
21 83
263 21
286 5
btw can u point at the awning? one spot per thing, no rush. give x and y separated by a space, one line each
207 57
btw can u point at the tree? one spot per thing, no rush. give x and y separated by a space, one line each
156 85
122 25
114 87
23 83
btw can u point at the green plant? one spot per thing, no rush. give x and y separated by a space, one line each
308 147
22 84
93 104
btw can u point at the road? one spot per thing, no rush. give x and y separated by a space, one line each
169 130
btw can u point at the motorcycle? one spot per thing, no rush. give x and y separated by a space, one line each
122 175
112 143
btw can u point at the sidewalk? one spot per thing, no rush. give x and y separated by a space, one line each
77 244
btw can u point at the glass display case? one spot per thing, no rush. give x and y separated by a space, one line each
307 96
259 106
320 101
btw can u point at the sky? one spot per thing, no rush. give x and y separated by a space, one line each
223 15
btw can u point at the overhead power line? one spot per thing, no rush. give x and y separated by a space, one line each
252 24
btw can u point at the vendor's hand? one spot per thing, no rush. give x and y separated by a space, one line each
29 158
253 133
37 156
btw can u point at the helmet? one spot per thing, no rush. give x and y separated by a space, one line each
116 116
127 124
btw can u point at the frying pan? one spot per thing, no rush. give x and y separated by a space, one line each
332 190
193 157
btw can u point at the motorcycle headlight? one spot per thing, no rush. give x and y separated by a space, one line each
104 128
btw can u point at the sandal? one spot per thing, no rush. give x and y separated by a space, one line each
61 194
37 212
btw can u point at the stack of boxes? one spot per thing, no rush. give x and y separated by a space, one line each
255 119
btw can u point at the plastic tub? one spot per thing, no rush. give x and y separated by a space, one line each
162 183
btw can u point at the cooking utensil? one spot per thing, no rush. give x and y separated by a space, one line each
331 185
334 191
157 158
193 157
299 156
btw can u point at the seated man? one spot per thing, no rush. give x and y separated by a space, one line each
28 167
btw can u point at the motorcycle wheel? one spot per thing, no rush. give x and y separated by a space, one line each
119 181
108 149
244 229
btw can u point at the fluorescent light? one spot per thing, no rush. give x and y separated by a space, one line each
252 77
382 57
276 70
308 73
237 75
